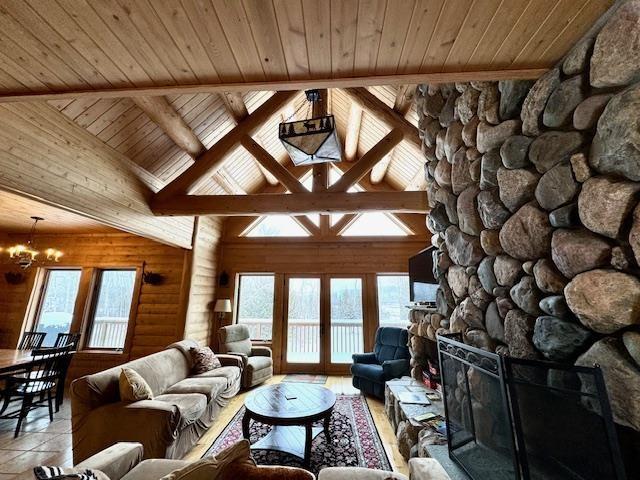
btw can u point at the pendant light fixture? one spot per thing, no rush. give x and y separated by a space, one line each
26 255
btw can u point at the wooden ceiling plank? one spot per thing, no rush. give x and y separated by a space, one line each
209 160
317 22
360 168
267 161
372 104
294 44
371 17
478 19
419 33
291 204
446 30
321 170
344 24
261 18
352 134
394 35
162 113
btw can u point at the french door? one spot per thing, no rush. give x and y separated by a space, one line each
324 322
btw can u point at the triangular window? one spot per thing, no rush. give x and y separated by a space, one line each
276 226
375 224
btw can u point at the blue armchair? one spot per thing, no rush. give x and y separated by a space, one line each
390 359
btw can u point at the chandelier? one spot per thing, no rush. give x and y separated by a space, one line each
26 255
313 140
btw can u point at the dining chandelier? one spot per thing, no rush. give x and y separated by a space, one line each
26 255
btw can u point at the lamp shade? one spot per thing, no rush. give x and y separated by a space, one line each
222 305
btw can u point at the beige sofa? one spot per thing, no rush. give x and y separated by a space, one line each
123 462
183 408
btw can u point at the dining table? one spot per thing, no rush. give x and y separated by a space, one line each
12 360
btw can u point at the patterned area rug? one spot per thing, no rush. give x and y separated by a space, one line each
355 440
304 378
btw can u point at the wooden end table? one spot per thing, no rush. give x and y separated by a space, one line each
291 409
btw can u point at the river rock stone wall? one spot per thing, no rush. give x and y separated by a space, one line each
534 189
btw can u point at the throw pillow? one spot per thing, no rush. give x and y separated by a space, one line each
50 473
211 468
133 387
204 360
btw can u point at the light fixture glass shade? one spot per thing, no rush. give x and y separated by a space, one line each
222 305
310 141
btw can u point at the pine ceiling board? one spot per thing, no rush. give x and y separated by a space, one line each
180 28
294 44
24 19
239 36
479 17
110 117
371 18
588 16
317 25
123 122
15 213
523 31
394 33
117 19
149 25
28 81
502 23
344 21
78 40
95 111
77 106
449 23
93 25
549 30
262 19
419 33
253 100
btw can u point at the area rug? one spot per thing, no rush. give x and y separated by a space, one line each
355 440
304 378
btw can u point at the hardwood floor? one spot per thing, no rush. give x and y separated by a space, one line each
49 443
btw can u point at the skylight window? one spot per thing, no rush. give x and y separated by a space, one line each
276 226
375 224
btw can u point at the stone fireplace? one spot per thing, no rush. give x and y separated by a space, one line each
534 190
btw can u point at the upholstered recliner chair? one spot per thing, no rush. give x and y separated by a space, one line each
257 361
389 359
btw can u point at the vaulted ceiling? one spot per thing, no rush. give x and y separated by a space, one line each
154 84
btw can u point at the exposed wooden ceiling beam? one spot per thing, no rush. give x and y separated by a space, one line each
379 170
228 183
266 160
161 112
365 81
235 106
291 203
404 99
206 163
377 107
360 168
307 224
343 223
352 135
320 170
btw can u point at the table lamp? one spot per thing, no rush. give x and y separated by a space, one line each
222 306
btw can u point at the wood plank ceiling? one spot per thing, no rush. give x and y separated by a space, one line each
74 46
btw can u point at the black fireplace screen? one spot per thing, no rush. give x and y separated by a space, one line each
518 419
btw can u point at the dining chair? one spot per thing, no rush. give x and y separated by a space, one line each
31 340
36 384
63 340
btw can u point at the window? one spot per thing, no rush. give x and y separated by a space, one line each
112 307
57 304
393 296
376 224
276 226
255 305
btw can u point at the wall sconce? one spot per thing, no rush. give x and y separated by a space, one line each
14 278
151 278
222 307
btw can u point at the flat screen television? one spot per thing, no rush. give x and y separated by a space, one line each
422 284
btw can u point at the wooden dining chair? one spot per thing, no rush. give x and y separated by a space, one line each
64 340
31 340
36 385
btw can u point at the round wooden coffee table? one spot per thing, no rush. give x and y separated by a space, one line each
292 409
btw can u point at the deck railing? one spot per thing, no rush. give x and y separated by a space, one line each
303 337
108 332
